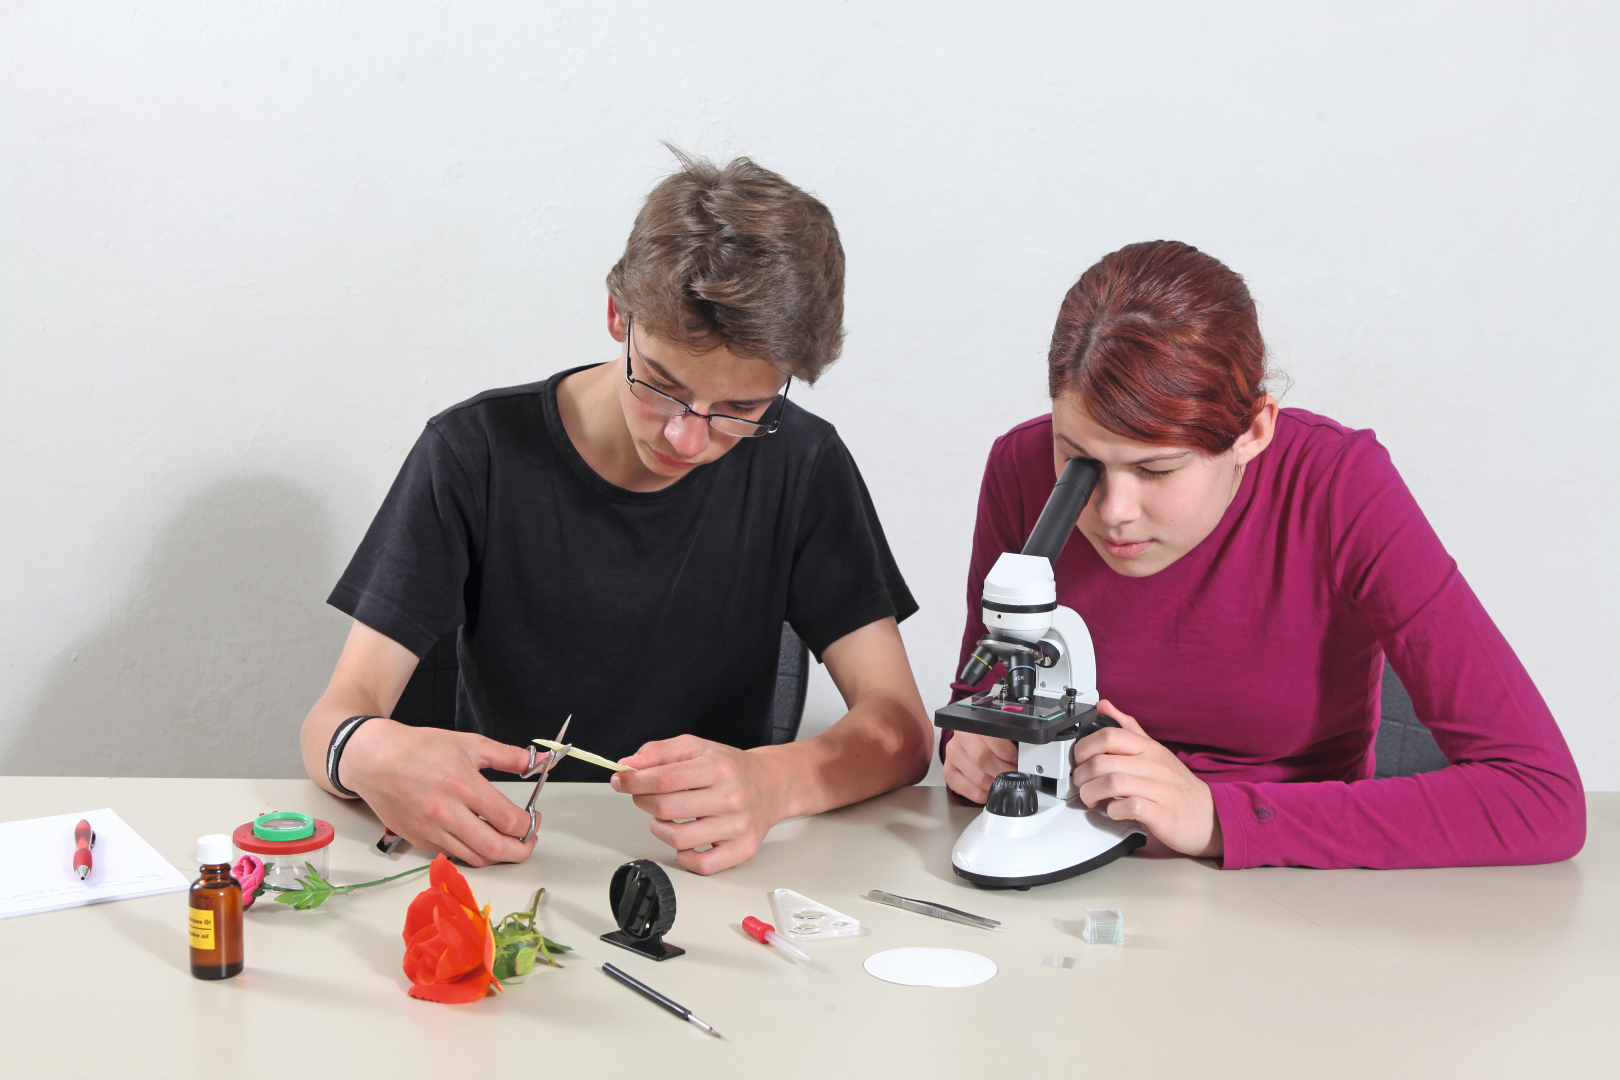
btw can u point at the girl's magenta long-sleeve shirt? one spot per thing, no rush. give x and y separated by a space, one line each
1257 658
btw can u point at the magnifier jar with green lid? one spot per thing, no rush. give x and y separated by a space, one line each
286 840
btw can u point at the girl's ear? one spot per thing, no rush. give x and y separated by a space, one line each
615 320
1258 437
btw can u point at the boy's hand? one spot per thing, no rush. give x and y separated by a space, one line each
730 795
1126 775
424 784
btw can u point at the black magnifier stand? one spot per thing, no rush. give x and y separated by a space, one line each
643 902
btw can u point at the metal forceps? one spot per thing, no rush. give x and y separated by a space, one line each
552 758
928 907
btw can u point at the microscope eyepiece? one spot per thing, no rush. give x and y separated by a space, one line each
1069 496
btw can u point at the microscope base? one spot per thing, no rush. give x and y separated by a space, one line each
1062 840
1124 847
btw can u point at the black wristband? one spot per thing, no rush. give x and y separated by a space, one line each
334 752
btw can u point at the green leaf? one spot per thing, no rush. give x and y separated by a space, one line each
523 945
517 956
505 960
313 891
314 880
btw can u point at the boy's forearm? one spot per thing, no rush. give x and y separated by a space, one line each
332 709
370 676
882 743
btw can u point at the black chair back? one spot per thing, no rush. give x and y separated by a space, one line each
1404 746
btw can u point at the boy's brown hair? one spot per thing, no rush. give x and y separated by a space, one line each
733 256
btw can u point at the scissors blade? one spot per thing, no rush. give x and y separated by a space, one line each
551 763
556 759
545 774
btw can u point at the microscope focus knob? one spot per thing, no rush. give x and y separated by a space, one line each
1013 794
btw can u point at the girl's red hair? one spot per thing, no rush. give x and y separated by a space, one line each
1162 345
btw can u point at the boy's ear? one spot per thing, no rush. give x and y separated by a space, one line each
615 320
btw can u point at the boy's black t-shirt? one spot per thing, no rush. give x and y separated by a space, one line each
644 614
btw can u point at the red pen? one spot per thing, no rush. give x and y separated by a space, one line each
84 838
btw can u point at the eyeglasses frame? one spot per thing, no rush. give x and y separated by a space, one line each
761 427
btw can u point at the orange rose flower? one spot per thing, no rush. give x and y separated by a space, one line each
449 948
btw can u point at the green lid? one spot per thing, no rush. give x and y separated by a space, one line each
283 825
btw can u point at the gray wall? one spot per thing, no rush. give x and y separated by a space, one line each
245 250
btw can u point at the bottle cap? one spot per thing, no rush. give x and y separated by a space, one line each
213 849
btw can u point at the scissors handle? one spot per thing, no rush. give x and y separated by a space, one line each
553 757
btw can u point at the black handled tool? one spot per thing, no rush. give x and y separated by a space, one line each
652 995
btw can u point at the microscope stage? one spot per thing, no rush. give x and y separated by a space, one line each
1041 721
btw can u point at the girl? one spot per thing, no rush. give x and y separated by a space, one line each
1245 570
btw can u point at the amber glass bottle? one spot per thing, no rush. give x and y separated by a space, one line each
215 913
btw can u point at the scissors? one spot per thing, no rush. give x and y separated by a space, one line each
552 758
391 840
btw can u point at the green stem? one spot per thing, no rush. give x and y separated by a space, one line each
351 888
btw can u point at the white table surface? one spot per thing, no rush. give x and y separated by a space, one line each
1509 971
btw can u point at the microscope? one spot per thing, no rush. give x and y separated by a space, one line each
1034 829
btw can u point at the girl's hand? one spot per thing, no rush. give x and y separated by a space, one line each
972 761
1129 776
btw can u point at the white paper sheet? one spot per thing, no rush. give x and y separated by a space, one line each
931 967
36 864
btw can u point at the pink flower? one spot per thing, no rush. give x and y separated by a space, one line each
249 873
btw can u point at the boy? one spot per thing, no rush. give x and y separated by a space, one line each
623 542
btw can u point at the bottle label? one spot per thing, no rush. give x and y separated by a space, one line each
202 929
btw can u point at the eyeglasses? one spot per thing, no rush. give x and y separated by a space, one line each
727 425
